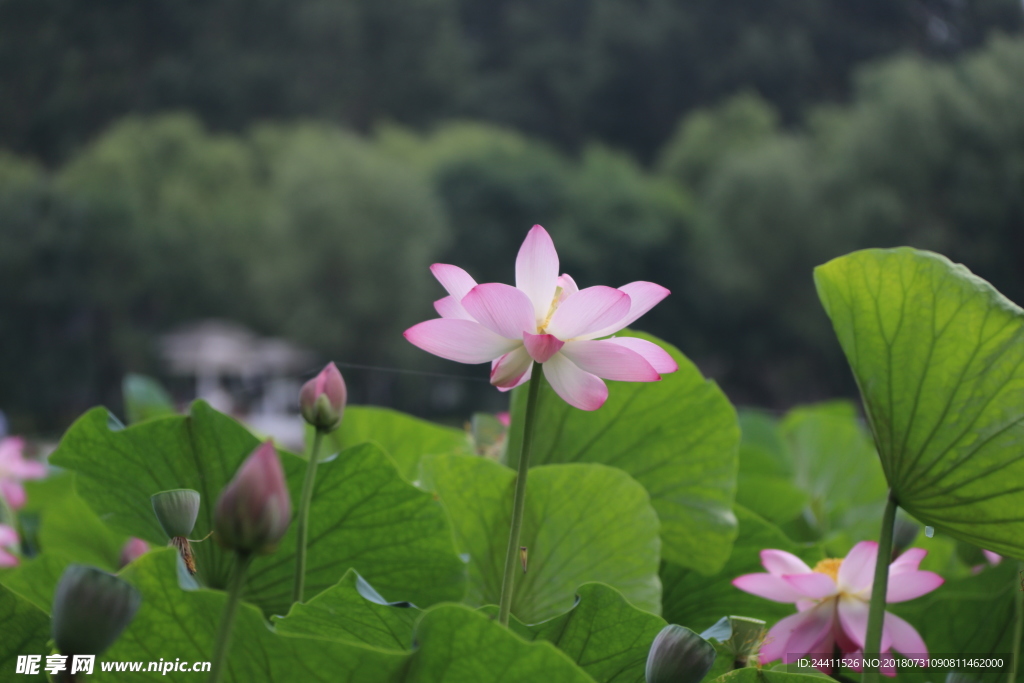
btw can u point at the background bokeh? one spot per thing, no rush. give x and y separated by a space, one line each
296 166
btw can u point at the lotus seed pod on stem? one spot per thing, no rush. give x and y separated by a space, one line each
176 510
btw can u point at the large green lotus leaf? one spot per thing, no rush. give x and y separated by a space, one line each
583 523
765 483
363 515
68 526
774 497
604 634
761 430
352 610
697 601
454 644
366 516
835 462
971 616
459 645
36 579
678 437
24 630
145 398
404 437
938 355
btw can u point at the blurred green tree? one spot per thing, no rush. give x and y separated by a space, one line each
930 155
304 231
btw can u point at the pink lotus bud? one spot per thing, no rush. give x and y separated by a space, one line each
254 510
133 550
322 399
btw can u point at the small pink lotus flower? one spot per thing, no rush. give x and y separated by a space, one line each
254 510
8 539
14 469
133 549
832 602
545 319
322 399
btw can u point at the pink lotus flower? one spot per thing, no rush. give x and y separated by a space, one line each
545 319
8 538
832 602
14 469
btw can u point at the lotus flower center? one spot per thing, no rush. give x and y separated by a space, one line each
829 567
543 327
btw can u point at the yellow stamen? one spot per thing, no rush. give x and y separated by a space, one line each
542 328
829 567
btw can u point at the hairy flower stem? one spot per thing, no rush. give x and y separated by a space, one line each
220 650
519 502
304 502
876 612
1018 626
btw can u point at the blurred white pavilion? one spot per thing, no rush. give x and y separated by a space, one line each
256 379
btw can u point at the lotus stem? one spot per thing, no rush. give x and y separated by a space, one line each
876 613
304 503
220 650
519 501
1018 625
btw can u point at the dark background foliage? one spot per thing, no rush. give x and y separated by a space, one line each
296 166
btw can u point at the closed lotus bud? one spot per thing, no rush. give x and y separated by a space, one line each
90 610
254 510
322 399
176 510
678 655
133 550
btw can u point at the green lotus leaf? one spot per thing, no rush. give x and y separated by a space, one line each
938 355
678 437
24 630
363 515
404 437
454 644
582 523
698 602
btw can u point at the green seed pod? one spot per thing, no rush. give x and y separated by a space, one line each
90 609
176 510
678 655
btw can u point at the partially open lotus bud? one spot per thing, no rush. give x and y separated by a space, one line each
90 610
678 655
176 510
254 510
322 399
